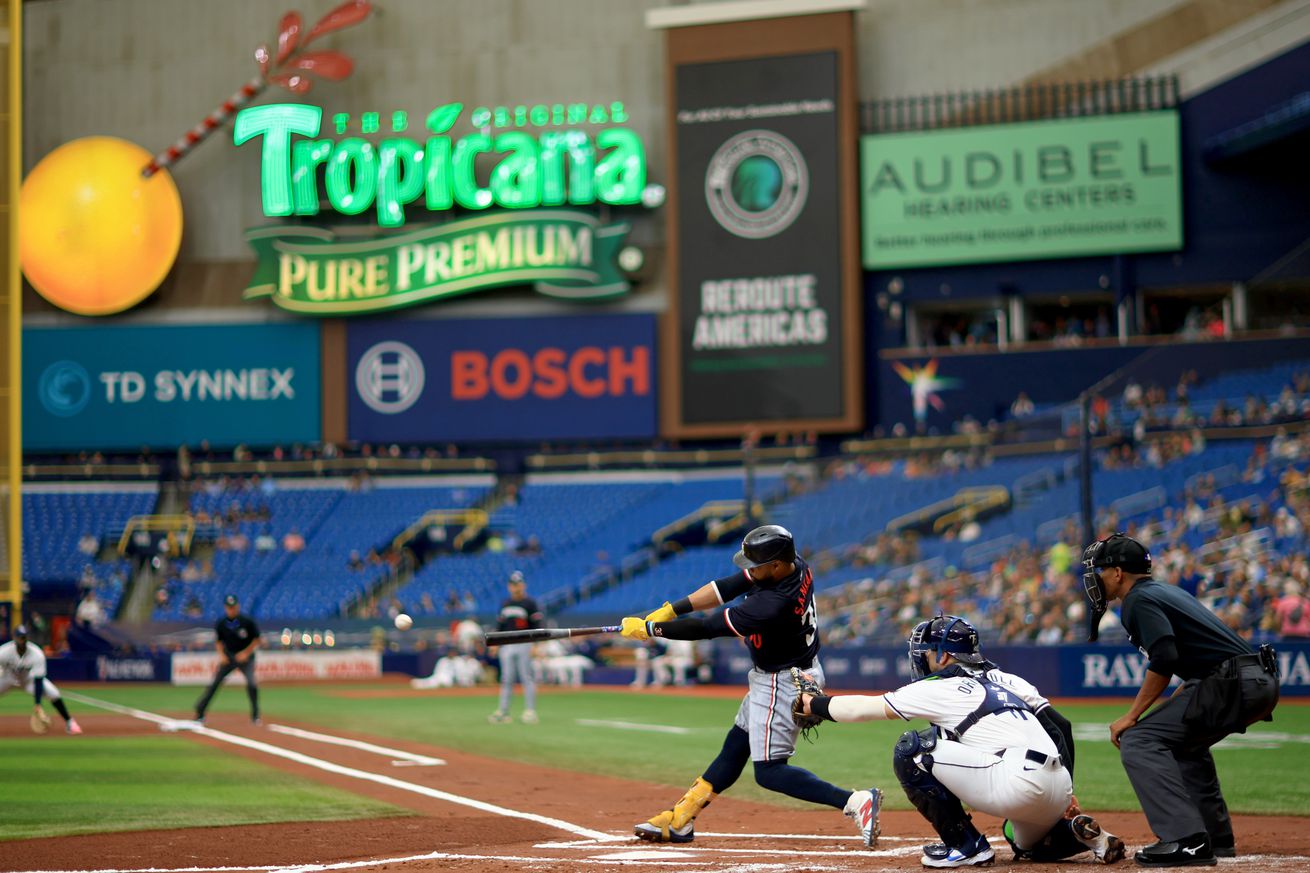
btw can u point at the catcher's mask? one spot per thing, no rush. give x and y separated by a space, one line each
945 634
1117 550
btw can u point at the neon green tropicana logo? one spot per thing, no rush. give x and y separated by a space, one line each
555 166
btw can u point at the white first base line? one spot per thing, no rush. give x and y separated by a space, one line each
405 757
364 775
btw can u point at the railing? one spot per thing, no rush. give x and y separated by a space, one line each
1019 103
182 524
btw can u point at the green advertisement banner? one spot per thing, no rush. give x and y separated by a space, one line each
1041 189
563 253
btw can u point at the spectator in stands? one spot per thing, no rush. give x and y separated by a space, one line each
88 544
88 579
265 541
1022 406
293 542
355 563
1293 612
89 612
238 541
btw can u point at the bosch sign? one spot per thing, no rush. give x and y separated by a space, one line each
503 379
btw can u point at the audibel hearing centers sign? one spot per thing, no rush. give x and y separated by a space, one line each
127 387
502 379
534 180
1042 189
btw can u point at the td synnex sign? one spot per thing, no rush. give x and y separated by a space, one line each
503 379
128 387
1043 189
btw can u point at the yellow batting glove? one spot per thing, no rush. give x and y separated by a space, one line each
664 613
635 629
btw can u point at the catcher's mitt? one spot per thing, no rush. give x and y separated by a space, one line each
40 722
804 685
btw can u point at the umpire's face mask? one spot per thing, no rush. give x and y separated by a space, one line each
1095 588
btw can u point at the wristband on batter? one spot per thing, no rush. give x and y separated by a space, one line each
682 607
819 706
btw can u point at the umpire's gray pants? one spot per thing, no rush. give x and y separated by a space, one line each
1170 767
516 666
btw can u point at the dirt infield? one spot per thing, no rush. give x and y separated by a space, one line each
583 822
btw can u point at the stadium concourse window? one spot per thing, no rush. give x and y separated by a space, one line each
956 329
1191 314
1070 320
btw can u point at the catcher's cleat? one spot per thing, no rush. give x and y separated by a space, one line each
863 807
1105 846
980 854
676 825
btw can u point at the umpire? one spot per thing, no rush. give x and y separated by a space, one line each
1226 687
238 638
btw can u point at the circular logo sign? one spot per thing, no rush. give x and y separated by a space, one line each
65 388
756 184
389 377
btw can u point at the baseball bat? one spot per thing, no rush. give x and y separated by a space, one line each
534 635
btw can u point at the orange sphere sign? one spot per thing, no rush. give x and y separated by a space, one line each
94 236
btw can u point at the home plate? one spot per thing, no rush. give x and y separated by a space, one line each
646 855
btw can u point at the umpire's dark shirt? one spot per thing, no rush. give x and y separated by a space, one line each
1153 611
236 633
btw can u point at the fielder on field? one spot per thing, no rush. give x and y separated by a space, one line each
22 665
995 744
519 612
777 620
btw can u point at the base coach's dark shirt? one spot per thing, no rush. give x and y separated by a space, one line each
236 633
1153 611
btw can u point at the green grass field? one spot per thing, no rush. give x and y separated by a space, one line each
177 776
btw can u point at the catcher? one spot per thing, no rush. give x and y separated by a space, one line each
22 665
778 623
995 744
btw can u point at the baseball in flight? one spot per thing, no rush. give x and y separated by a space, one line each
404 622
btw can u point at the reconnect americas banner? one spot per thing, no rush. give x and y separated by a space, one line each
1042 189
128 387
760 251
502 379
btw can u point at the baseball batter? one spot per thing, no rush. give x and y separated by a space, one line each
777 621
519 612
22 665
996 745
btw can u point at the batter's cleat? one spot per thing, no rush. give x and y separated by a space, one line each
73 727
979 854
530 716
498 717
863 807
1187 852
1105 846
658 830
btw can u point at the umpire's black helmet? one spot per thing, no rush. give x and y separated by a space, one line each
771 542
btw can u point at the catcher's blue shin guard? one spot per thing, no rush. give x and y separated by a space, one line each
912 763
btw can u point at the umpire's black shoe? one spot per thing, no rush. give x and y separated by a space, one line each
1189 851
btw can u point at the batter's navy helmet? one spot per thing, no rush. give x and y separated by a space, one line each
945 634
764 544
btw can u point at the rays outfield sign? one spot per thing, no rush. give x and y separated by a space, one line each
563 253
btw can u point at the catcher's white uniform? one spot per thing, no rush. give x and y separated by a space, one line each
23 671
1002 763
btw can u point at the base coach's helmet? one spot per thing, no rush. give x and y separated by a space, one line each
764 544
945 634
